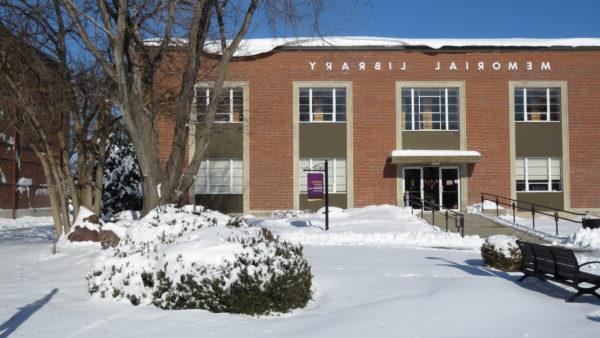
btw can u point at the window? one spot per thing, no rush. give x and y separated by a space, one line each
337 173
538 174
430 108
230 107
537 104
220 176
322 104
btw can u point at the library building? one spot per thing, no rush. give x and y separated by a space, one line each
440 120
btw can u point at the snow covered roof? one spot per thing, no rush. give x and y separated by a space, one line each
431 156
249 47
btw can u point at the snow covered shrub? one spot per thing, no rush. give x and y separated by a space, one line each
267 276
501 252
285 214
122 180
193 258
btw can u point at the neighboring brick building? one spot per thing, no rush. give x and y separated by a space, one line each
442 119
23 189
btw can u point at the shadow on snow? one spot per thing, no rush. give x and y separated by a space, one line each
24 313
477 267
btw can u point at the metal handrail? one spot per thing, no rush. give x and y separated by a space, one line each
459 217
531 204
515 205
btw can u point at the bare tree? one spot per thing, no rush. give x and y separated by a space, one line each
134 40
60 105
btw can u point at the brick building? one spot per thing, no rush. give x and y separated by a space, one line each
445 120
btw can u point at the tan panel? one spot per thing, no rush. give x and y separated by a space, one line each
322 140
549 199
538 139
335 200
226 141
434 140
227 203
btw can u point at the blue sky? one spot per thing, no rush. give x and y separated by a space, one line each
456 19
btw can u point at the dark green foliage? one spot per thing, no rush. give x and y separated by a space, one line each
122 179
278 289
148 279
495 258
236 222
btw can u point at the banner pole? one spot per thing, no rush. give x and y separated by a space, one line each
326 195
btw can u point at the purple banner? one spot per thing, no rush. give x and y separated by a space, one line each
315 186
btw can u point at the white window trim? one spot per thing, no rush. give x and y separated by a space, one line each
331 165
334 102
207 187
549 173
525 115
445 112
230 89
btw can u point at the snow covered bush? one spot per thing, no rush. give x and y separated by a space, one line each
501 252
193 258
122 180
286 214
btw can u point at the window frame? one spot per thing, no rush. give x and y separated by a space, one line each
548 104
549 181
445 113
303 189
231 176
231 89
334 103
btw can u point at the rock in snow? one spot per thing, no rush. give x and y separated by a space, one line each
86 227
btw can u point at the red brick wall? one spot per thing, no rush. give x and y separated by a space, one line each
487 107
27 166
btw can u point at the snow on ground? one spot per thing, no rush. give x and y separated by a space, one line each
380 225
361 292
380 288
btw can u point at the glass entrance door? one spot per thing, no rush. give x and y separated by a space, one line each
412 185
431 185
449 188
439 185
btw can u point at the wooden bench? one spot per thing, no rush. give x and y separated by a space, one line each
558 265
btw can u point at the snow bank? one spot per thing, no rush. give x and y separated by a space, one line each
27 229
190 257
380 225
584 238
432 239
488 205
